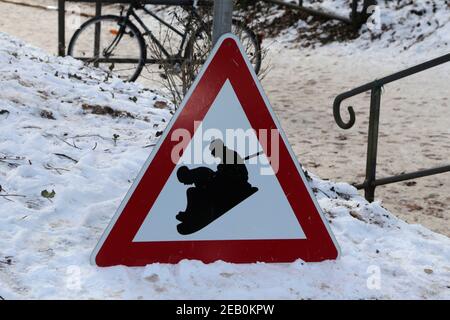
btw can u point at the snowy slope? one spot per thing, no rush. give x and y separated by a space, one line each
420 24
403 24
45 243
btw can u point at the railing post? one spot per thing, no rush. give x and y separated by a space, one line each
61 28
98 12
372 144
223 17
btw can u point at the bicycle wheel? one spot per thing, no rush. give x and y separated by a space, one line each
199 46
120 48
250 42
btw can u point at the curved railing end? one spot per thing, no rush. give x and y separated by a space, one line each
337 113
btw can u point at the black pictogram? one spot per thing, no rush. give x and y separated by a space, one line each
214 192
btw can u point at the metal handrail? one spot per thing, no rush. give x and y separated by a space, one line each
379 83
375 87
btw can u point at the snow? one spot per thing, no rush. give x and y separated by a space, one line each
45 243
423 25
419 24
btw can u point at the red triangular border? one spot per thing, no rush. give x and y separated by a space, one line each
116 246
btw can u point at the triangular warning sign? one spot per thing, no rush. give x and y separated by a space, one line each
222 183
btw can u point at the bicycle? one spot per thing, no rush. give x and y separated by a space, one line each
110 41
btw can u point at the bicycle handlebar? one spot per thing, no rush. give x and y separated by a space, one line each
169 2
173 2
156 2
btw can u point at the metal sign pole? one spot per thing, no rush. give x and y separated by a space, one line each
223 13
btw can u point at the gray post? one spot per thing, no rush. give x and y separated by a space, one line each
61 28
223 17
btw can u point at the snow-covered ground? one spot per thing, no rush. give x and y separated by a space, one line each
302 83
63 128
401 24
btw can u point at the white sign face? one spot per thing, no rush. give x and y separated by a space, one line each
266 214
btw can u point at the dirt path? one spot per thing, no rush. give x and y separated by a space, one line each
415 120
414 128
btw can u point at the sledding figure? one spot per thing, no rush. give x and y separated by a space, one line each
214 192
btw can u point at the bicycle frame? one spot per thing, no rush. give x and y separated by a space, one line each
131 12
